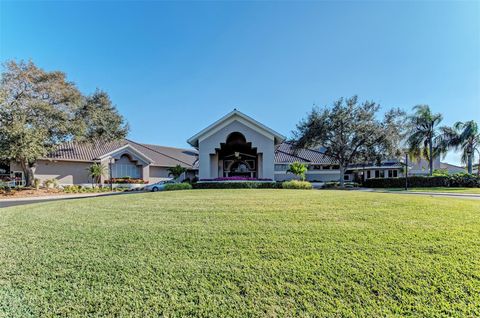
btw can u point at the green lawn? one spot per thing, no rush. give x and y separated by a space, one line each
440 189
242 253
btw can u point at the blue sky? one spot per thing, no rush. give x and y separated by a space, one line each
174 67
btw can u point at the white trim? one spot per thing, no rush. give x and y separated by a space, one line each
128 146
232 120
250 122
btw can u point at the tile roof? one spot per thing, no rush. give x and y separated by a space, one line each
170 156
161 156
285 153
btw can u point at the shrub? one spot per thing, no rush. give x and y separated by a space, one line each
463 179
51 183
237 185
36 183
177 186
80 189
295 184
454 180
440 172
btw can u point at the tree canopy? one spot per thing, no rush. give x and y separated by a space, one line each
40 109
350 132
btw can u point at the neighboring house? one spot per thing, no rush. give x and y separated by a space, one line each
451 168
234 145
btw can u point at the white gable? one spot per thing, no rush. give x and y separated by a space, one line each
233 116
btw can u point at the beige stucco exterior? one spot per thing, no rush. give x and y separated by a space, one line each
66 172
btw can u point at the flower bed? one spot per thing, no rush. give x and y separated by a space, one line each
127 180
227 179
237 185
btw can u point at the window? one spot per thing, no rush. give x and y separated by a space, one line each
124 167
281 167
346 177
390 173
382 173
368 174
395 173
377 173
316 167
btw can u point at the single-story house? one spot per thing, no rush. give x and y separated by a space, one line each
234 145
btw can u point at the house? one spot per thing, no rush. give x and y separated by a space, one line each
70 161
236 145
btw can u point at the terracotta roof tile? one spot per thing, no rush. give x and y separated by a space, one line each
170 156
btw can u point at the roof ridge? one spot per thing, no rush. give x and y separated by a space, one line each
159 152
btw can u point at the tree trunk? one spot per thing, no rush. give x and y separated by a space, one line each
28 173
470 162
478 167
430 156
342 176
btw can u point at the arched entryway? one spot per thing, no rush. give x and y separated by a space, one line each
237 157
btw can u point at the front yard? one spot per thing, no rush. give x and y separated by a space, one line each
241 253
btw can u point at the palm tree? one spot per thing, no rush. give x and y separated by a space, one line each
464 136
426 139
176 171
298 169
96 171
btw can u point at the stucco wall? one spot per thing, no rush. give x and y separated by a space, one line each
65 172
263 143
158 174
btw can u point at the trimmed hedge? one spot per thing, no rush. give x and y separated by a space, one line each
237 185
177 186
296 184
464 180
456 180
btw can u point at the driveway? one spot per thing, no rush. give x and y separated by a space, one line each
4 203
470 196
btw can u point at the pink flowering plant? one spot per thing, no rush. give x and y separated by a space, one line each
236 178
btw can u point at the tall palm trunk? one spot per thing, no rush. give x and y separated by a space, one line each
430 155
470 162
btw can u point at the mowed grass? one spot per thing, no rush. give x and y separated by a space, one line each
242 253
440 189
